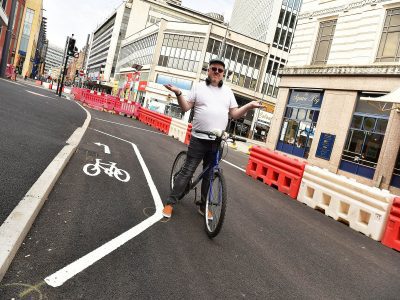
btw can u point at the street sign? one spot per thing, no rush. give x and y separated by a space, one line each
81 73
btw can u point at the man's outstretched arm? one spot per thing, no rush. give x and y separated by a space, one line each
183 103
238 112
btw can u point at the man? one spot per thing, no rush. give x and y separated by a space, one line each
213 103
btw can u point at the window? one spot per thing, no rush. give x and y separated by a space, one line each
324 42
182 52
396 172
300 120
3 4
389 48
26 30
364 140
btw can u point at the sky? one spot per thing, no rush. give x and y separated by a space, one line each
81 17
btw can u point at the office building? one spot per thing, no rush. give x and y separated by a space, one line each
271 22
174 45
105 45
54 58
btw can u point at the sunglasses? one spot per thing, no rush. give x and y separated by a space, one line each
215 69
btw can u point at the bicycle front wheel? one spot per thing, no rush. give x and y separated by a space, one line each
177 167
215 205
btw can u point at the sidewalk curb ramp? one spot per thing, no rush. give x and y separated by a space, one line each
19 222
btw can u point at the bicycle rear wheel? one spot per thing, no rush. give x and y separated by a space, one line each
177 167
215 205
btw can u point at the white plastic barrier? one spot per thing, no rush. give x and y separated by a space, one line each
67 90
178 129
46 85
364 208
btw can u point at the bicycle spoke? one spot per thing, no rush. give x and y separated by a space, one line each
216 205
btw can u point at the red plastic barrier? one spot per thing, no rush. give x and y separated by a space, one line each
38 82
93 100
109 102
155 119
276 169
137 110
188 134
125 107
391 238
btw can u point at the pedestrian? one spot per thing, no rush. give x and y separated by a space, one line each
213 104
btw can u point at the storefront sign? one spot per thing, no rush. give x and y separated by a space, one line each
179 83
305 99
325 146
142 86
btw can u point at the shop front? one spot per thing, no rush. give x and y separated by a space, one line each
299 122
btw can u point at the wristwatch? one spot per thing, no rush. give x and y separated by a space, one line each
180 93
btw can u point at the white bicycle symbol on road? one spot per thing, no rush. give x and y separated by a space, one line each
112 170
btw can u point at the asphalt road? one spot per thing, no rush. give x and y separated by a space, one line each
271 247
33 129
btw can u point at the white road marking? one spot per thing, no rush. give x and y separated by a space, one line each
106 148
37 94
231 164
129 126
66 273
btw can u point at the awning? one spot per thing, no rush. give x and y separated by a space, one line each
391 98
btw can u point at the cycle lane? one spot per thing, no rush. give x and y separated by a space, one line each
88 215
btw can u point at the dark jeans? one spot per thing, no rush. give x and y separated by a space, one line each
199 150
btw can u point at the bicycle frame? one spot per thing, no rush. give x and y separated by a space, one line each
211 168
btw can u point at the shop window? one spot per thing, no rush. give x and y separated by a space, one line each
299 122
389 47
396 172
324 42
364 141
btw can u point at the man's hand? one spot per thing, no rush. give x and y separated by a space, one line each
256 104
172 88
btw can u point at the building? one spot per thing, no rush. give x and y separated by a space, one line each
28 37
174 44
41 51
5 10
76 66
344 54
105 45
274 23
54 58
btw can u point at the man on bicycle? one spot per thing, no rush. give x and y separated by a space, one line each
213 103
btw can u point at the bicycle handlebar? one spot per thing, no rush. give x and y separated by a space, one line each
236 138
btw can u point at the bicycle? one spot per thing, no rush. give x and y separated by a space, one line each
216 201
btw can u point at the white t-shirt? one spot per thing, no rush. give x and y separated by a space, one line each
211 107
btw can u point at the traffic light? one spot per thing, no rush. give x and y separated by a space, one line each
71 47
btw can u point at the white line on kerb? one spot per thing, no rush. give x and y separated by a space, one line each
66 273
